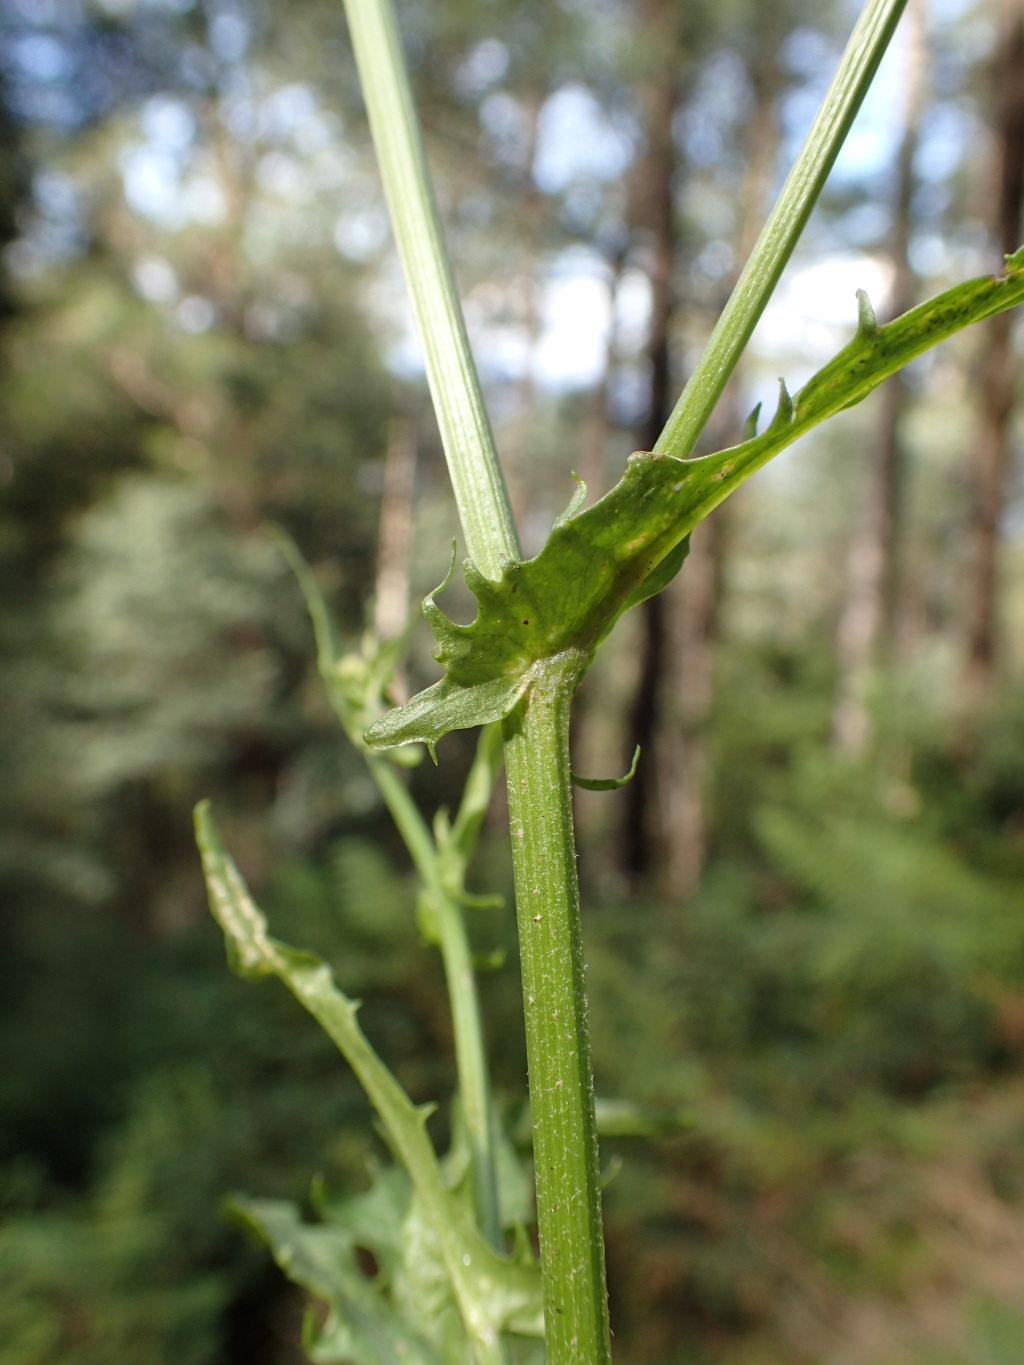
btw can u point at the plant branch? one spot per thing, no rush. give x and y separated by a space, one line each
599 562
479 485
536 753
492 1293
786 222
464 999
349 682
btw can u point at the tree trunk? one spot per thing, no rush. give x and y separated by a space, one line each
652 224
866 622
665 829
691 630
991 457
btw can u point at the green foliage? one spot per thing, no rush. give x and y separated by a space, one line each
144 659
492 1293
598 563
137 1274
839 1007
995 1337
400 1308
823 1011
356 912
204 1083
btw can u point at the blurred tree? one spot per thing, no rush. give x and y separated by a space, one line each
867 619
664 831
993 448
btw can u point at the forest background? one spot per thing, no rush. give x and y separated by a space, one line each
804 917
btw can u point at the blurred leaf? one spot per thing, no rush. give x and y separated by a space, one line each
493 1294
363 1325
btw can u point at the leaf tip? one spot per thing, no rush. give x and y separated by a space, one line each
867 323
750 425
577 500
784 410
444 581
204 827
607 784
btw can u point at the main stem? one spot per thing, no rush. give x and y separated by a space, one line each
557 1038
536 737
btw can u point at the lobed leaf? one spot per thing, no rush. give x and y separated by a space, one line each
362 1326
493 1294
599 562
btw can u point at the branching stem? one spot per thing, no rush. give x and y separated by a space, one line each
781 232
467 1025
536 733
479 485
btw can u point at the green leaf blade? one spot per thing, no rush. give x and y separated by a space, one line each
362 1326
447 705
493 1293
601 561
608 784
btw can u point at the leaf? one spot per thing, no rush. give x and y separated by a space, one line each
608 784
575 502
599 562
374 1218
662 576
354 682
424 1287
447 705
493 1294
390 1222
362 1326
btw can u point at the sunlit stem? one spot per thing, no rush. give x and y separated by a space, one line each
781 232
479 485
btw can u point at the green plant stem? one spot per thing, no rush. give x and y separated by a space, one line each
467 1024
786 222
557 1039
480 491
536 744
464 1000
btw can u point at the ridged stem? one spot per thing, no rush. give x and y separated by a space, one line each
557 1038
479 485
